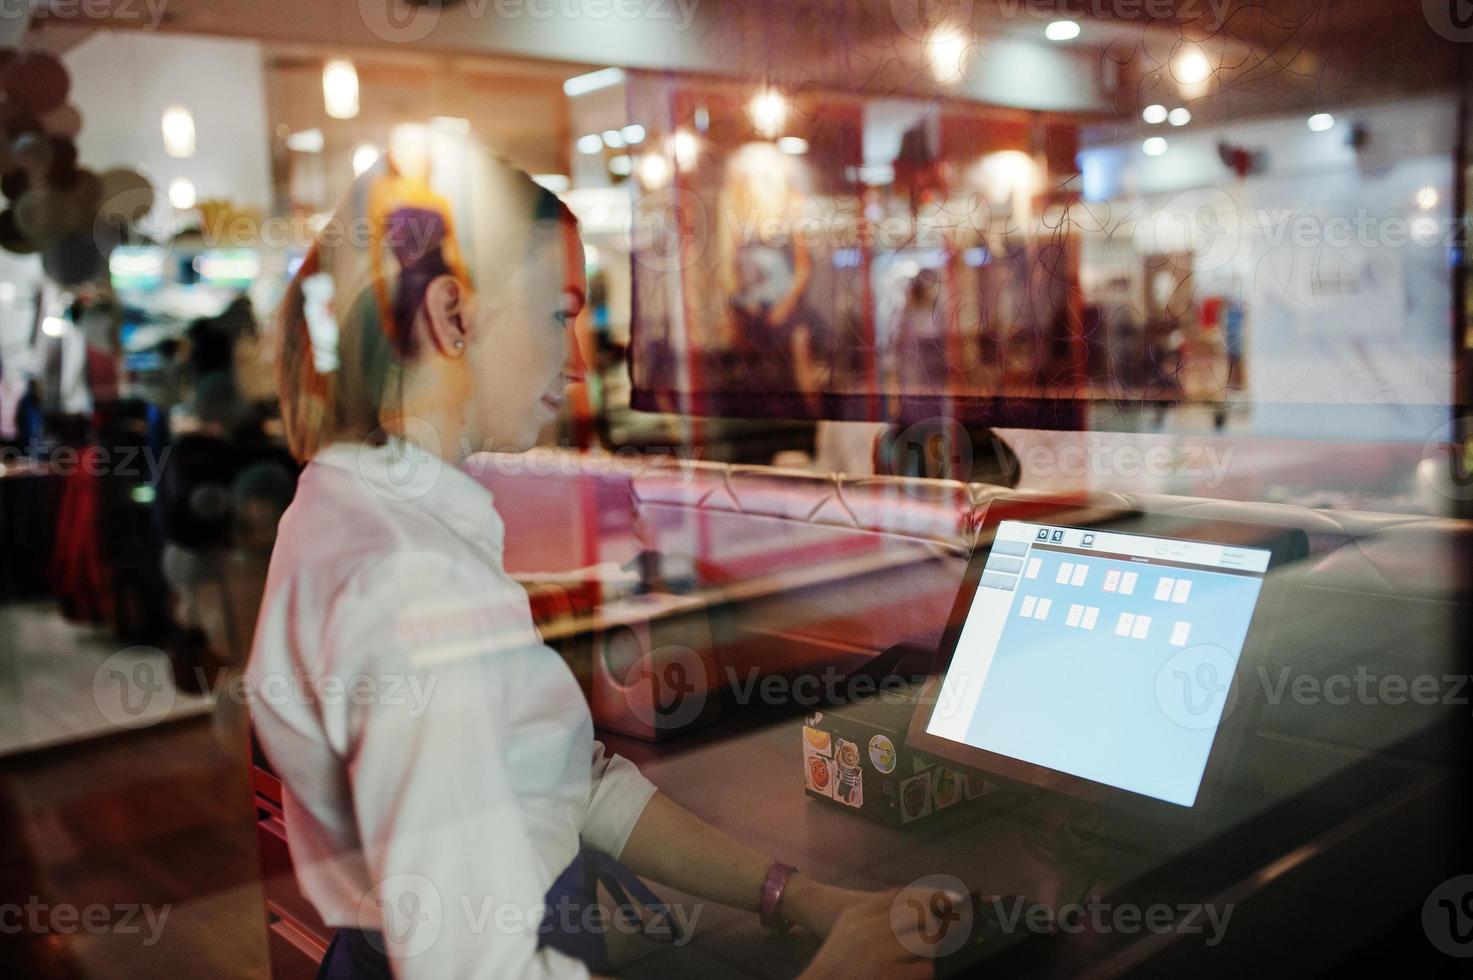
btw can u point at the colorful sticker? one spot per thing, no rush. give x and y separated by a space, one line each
915 797
818 741
850 787
948 788
882 753
819 773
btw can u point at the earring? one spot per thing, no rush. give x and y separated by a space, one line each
460 345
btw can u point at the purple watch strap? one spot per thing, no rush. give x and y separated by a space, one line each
772 893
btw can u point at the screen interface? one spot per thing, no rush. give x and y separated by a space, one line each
1103 655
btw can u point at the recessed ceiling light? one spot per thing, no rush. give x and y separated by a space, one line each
1191 67
768 110
365 155
1320 121
946 52
591 143
307 141
613 139
1179 116
1062 30
1154 147
633 133
793 145
1154 114
593 81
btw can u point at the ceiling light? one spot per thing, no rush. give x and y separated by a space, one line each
53 326
685 148
793 145
1191 67
181 193
1062 30
654 170
946 53
340 89
633 133
768 110
1154 114
178 128
1154 147
621 165
307 141
1427 198
1179 116
591 143
593 81
1320 122
365 155
613 139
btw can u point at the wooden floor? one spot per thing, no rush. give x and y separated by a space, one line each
158 818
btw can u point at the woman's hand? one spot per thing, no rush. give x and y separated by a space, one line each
815 906
868 940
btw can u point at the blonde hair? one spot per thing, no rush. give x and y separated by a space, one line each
345 393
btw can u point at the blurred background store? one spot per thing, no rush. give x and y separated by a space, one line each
1217 251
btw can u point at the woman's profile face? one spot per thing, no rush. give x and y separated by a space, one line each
524 351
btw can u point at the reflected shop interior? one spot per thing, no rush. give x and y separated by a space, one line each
990 483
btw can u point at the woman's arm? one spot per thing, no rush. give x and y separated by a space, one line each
675 847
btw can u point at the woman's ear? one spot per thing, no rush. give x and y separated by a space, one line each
447 315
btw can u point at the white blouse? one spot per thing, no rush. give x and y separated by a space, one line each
437 760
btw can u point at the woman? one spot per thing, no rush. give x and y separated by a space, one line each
438 761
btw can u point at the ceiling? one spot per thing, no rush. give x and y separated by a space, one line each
1268 57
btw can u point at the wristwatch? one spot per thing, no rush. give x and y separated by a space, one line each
773 887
